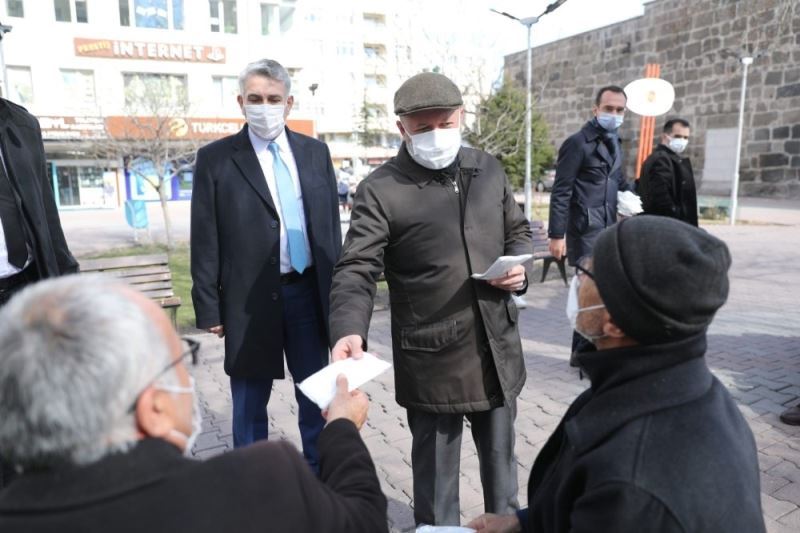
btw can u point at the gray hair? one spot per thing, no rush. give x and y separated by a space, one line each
75 352
265 67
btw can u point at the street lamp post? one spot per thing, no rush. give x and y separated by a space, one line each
528 22
3 30
746 62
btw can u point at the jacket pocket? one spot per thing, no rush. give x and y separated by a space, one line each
513 312
596 217
429 337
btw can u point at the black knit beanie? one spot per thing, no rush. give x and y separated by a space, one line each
660 279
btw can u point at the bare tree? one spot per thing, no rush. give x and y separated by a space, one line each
153 140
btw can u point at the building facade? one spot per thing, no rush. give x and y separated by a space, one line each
697 43
84 67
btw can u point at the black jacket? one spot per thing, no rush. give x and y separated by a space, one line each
667 186
656 445
235 241
584 196
455 340
153 488
23 152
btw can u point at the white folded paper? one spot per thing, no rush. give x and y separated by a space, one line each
628 204
320 388
503 264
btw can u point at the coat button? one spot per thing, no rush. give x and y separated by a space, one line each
272 261
273 224
274 295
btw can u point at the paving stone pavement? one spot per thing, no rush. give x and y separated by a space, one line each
754 349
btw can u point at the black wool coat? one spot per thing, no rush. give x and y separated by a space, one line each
656 445
584 197
235 243
455 340
667 186
23 153
153 488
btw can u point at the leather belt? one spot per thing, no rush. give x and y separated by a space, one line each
294 276
15 280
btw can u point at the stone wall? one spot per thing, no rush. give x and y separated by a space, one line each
696 42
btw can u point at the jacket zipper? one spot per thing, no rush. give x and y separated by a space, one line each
455 188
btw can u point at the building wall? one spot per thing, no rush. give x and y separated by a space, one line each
696 43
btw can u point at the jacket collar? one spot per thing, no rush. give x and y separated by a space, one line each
148 462
628 383
595 134
405 164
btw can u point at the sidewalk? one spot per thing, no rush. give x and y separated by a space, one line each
753 349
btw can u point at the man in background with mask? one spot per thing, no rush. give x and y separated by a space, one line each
101 450
265 235
657 444
667 182
428 219
588 176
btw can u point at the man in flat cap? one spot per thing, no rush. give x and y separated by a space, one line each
656 444
428 219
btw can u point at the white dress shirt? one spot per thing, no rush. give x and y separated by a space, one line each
265 159
6 268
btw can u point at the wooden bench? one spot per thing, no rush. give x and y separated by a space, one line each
541 250
149 274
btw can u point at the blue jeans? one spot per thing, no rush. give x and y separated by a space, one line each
306 349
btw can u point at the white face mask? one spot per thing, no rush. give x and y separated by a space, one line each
610 121
266 120
197 416
573 310
435 149
678 145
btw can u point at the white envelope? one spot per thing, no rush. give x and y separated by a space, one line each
320 388
503 264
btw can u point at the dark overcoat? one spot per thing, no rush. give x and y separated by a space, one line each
235 247
455 340
584 197
23 153
264 487
667 186
657 445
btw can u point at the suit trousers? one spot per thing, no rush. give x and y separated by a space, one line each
305 347
436 458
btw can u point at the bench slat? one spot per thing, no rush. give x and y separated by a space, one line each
152 286
159 293
128 261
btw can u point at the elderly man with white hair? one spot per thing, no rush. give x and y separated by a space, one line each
97 408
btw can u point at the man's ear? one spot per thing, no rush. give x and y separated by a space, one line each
400 127
610 329
152 418
289 104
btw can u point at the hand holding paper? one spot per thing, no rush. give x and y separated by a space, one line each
321 387
502 265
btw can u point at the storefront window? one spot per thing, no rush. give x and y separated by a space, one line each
85 186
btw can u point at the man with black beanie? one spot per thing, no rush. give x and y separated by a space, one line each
656 444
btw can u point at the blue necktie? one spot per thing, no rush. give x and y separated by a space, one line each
290 211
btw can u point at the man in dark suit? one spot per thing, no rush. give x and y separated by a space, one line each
265 235
100 451
667 183
32 244
588 176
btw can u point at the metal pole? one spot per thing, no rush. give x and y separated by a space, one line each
528 140
746 61
3 30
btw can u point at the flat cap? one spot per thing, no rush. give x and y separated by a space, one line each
427 90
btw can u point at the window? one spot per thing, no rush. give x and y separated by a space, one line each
276 18
226 89
374 80
375 20
78 88
374 51
345 49
14 8
147 93
64 9
158 14
20 86
222 15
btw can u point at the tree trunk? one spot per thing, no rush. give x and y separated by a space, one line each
162 196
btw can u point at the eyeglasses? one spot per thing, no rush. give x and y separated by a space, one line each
193 350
